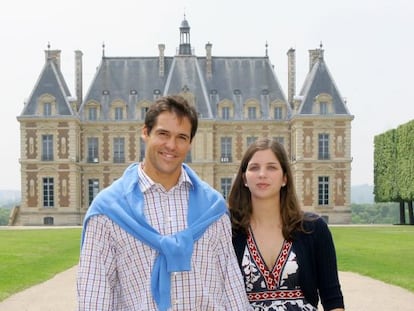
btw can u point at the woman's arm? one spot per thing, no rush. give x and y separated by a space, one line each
327 270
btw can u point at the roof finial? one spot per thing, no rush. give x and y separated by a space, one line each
103 49
48 45
320 45
266 45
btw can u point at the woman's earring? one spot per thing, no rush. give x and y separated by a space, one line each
245 184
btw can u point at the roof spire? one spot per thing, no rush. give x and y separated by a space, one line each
266 45
103 49
185 45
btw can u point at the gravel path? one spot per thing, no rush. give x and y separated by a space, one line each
361 294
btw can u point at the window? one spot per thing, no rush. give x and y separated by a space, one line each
323 190
278 113
141 149
119 146
225 185
93 155
323 147
225 149
93 189
143 112
47 147
47 109
119 113
251 113
48 221
323 108
225 113
250 140
93 114
48 192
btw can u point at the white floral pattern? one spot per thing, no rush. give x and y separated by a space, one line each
276 289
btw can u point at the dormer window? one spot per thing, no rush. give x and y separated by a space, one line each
251 113
118 109
46 106
323 108
225 113
143 112
252 110
225 110
278 113
119 113
323 104
92 114
47 109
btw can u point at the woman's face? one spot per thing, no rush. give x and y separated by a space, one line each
264 175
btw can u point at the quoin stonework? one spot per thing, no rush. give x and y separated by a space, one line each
72 146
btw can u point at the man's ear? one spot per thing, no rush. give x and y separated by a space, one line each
144 133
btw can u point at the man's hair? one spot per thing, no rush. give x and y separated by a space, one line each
175 104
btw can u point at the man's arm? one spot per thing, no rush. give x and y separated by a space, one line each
233 279
96 270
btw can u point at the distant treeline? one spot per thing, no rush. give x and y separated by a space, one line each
378 213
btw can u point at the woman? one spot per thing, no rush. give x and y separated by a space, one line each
287 257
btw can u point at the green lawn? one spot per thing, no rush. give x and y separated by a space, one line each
384 253
28 257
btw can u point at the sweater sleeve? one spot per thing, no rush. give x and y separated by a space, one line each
326 267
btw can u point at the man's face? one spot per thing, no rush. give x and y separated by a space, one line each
166 148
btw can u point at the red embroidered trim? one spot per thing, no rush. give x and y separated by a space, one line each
280 294
272 278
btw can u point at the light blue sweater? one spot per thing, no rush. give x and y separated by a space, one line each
123 203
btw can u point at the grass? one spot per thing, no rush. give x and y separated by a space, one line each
384 253
29 257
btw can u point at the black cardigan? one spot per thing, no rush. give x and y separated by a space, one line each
317 267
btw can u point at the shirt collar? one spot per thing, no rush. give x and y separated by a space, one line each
145 182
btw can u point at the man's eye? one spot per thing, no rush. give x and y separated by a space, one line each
183 138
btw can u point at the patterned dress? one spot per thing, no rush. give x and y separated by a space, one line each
276 289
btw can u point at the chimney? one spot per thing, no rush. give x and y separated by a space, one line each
78 77
161 48
291 75
314 56
209 70
54 56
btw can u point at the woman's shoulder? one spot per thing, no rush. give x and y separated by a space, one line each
313 222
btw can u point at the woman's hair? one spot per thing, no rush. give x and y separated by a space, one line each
239 199
175 104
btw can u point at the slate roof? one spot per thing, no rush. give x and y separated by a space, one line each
51 82
319 80
250 76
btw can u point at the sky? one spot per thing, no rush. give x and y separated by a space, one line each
369 50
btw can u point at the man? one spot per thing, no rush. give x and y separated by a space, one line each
159 238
